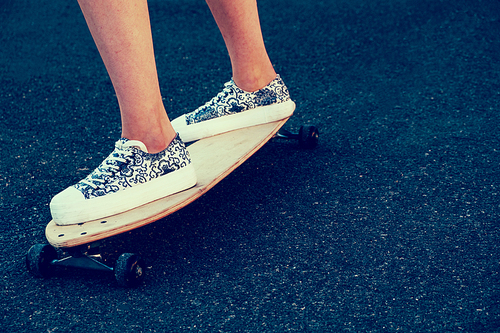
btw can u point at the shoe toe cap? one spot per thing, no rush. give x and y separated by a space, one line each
66 204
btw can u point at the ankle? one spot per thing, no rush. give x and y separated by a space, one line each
156 140
156 144
252 83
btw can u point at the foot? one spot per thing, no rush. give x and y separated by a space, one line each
234 108
128 178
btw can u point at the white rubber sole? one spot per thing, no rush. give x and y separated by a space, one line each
70 207
257 116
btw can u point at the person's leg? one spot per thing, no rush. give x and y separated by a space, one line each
122 33
238 21
149 162
255 95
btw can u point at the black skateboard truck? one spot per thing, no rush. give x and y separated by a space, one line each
307 137
128 269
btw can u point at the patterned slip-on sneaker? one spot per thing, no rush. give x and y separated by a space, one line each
234 108
128 178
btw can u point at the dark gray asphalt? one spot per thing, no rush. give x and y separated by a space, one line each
390 225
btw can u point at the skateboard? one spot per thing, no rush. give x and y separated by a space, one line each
213 158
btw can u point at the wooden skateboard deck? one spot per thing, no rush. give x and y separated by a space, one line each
213 158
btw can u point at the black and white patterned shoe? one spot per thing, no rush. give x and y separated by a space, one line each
128 178
234 108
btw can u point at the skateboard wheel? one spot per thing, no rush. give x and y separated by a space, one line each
308 137
129 270
39 258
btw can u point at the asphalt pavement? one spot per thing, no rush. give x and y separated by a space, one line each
389 225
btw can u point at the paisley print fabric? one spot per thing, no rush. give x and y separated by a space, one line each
233 100
129 165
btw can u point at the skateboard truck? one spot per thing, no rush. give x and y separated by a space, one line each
308 136
128 269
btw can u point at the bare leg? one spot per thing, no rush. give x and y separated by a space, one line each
122 33
238 21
